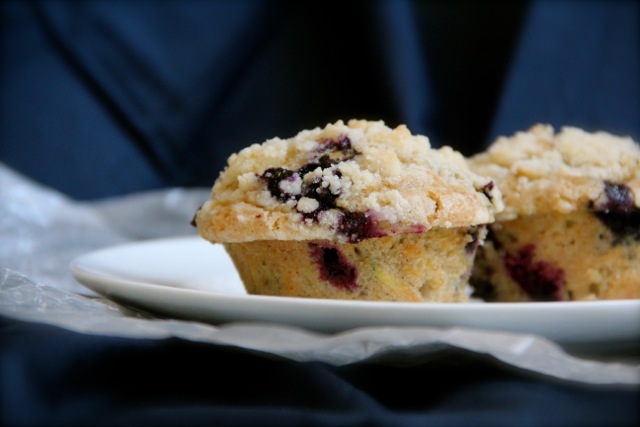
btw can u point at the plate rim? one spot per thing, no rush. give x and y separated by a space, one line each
234 307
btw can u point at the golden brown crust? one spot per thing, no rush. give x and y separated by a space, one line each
392 176
408 267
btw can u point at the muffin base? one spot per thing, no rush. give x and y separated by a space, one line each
556 257
430 266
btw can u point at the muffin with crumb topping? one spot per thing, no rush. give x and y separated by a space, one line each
354 211
570 229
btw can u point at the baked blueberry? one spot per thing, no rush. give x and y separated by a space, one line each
540 280
334 267
570 228
618 211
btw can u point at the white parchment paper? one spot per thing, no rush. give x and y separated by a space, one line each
41 231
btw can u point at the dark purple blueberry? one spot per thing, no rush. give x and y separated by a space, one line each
618 212
314 190
273 177
471 247
540 280
487 189
358 226
334 267
619 198
309 167
336 150
341 143
326 160
323 162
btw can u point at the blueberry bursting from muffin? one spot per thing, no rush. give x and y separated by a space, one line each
542 281
355 226
618 212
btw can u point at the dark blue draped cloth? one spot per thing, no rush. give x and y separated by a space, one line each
108 97
103 98
51 376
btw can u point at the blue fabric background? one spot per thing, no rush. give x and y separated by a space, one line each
102 98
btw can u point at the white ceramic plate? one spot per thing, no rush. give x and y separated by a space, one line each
189 278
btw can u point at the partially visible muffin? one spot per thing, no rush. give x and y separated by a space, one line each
570 229
351 211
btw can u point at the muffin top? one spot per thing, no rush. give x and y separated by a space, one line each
346 183
539 171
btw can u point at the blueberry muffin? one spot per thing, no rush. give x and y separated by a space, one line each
570 228
354 211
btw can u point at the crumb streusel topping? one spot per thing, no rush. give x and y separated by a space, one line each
345 182
540 171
